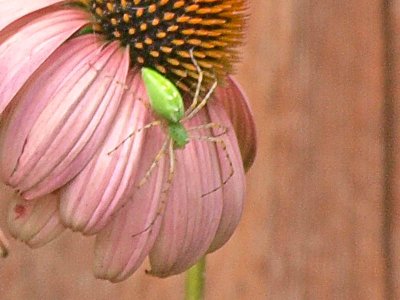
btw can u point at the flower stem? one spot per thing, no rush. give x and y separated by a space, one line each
195 281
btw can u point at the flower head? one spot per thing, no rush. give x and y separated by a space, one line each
160 34
72 92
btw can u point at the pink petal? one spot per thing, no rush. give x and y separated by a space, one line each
39 38
237 106
35 222
190 220
56 128
15 9
90 199
122 245
234 189
27 111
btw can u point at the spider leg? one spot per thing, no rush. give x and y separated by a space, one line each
147 126
220 141
198 86
171 172
145 103
211 125
155 163
126 88
165 192
203 102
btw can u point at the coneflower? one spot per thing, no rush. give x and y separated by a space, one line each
70 91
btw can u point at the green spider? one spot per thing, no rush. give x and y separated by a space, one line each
166 102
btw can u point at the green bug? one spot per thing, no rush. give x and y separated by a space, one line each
167 103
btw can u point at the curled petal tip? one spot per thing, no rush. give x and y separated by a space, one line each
152 273
4 245
35 222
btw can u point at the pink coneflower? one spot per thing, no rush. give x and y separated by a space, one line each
70 91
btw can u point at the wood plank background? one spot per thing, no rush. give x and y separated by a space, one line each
322 219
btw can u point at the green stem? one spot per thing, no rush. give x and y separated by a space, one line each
195 281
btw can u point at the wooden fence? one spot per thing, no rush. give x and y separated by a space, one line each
322 219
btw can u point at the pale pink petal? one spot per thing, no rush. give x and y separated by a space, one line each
190 220
56 128
24 51
15 9
70 58
35 222
90 199
122 245
234 189
237 106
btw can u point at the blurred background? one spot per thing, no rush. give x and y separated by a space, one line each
323 202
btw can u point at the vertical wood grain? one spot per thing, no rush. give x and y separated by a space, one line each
392 134
326 116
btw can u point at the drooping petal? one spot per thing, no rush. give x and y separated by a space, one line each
90 199
237 106
24 51
123 244
56 128
234 189
190 220
35 222
15 9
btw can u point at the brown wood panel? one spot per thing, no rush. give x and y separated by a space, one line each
392 124
325 149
